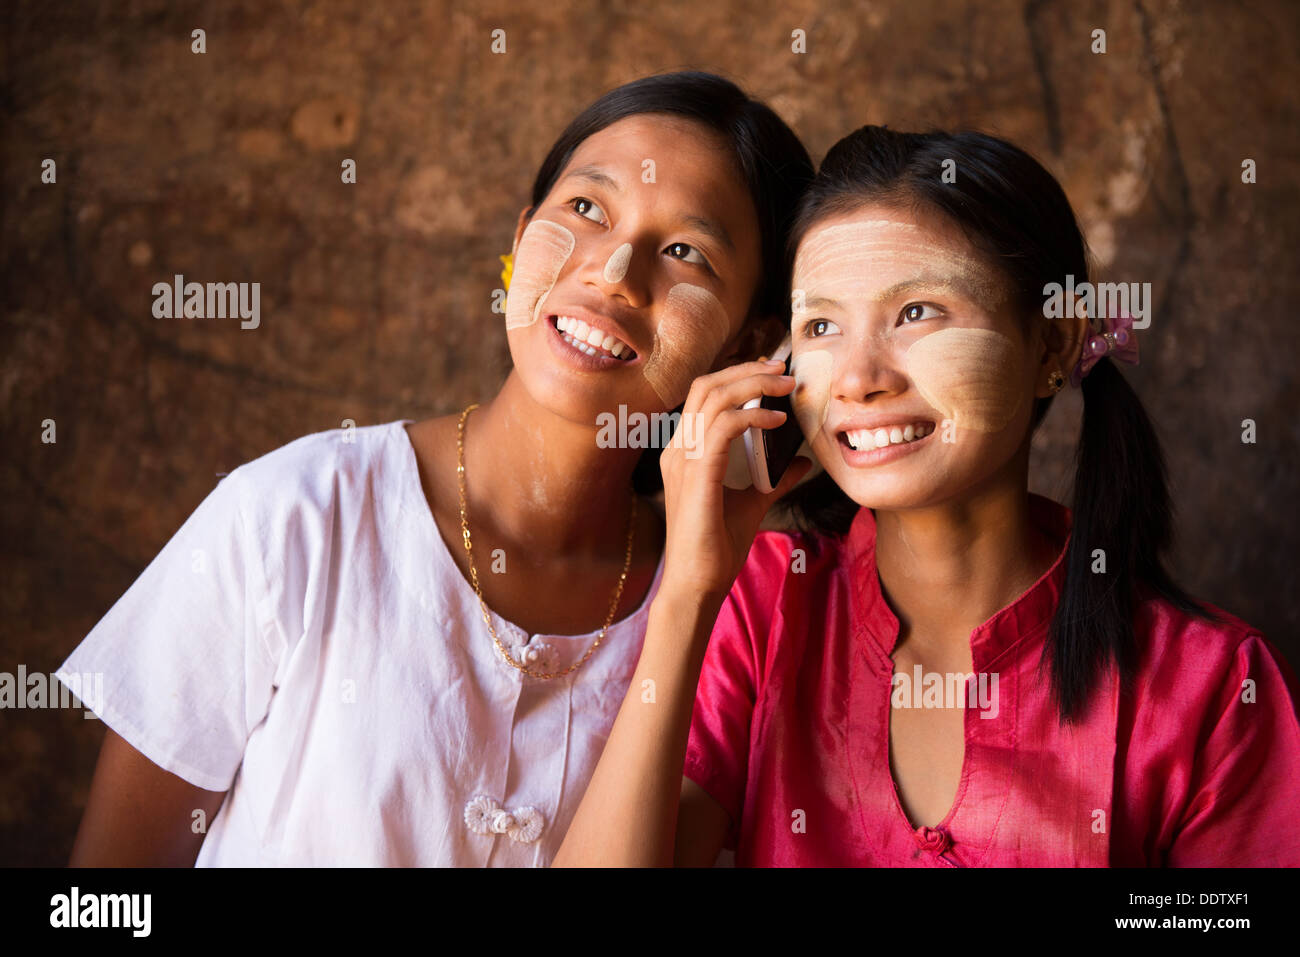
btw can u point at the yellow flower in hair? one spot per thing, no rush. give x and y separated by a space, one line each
509 261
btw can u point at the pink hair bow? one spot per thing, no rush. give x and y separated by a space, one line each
1118 341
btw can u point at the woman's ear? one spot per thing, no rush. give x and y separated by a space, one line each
1063 340
757 336
525 215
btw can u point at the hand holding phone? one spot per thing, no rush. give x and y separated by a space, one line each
760 456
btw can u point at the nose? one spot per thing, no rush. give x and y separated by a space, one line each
613 267
616 265
867 367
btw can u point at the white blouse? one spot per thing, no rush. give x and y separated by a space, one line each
306 642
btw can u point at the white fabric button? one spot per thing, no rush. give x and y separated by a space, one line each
483 815
533 654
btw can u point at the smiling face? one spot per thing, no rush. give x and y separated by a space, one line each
634 272
916 378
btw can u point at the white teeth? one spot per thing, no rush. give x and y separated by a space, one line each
864 440
861 440
582 336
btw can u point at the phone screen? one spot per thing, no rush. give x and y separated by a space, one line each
780 445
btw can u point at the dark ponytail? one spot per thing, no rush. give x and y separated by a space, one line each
1122 524
1013 210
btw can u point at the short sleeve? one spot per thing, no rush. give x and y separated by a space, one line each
179 662
1241 810
717 751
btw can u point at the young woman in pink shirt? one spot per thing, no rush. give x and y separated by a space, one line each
943 669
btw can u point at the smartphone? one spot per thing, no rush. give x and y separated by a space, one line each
759 457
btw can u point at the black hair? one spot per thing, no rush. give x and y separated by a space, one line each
769 157
1014 211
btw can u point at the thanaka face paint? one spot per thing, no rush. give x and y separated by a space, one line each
812 391
692 331
616 268
543 250
969 375
879 259
972 376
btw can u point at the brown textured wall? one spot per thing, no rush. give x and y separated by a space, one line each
225 167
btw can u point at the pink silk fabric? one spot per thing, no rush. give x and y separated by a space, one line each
1197 765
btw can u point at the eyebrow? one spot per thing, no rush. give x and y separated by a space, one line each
596 176
959 283
820 302
709 227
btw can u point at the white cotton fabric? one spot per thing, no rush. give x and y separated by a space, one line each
306 643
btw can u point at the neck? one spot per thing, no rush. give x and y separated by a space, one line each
949 568
542 481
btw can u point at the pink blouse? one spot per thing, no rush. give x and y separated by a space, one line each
1197 765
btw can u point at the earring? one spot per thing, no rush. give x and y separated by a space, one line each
1055 381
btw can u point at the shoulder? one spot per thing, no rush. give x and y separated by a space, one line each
1165 629
294 498
1192 663
778 557
772 558
783 572
318 467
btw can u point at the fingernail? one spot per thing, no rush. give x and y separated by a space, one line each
774 362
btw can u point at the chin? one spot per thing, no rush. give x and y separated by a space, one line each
891 494
914 482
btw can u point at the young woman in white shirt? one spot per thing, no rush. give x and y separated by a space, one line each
406 644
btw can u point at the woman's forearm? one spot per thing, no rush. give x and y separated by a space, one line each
628 817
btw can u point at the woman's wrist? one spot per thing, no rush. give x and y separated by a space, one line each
686 600
686 613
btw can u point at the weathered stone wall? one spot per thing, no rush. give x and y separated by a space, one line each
226 166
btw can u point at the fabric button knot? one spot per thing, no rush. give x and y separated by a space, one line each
933 839
532 653
483 815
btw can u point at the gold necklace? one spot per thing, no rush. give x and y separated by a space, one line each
473 572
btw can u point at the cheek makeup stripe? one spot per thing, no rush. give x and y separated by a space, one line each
616 268
693 330
812 391
969 375
543 250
